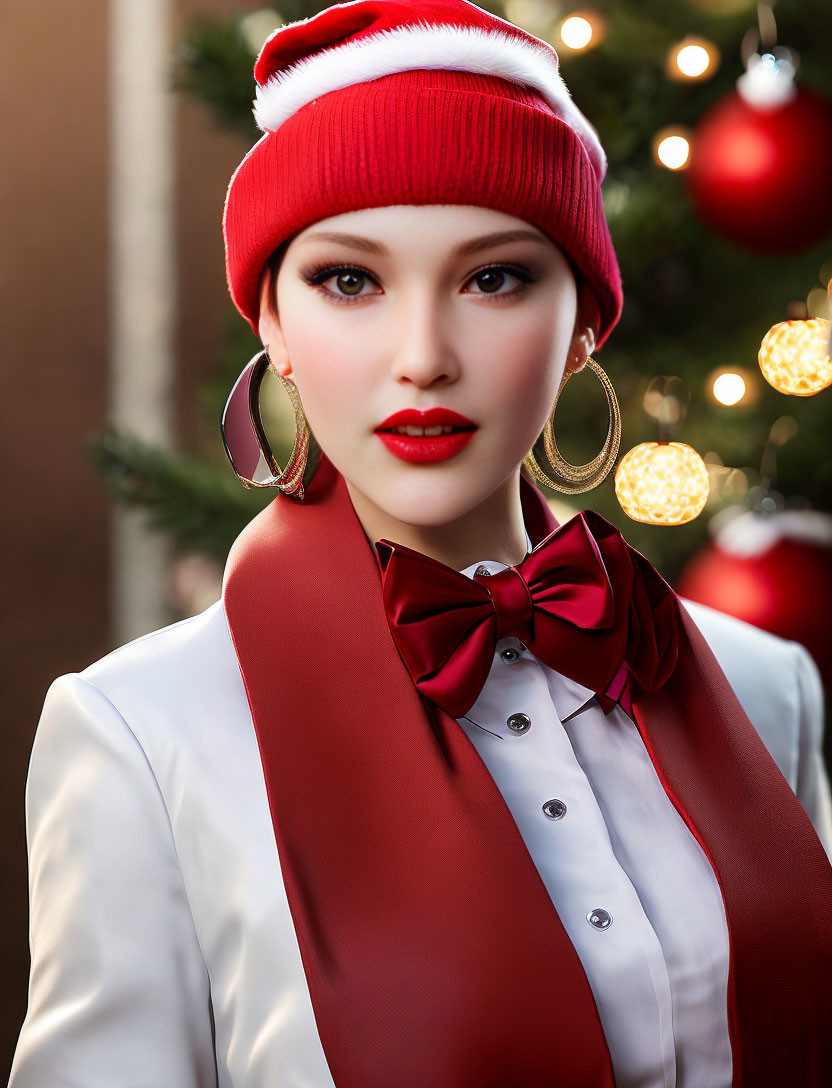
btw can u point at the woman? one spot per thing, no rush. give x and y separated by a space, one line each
439 793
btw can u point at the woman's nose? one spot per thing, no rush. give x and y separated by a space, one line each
424 340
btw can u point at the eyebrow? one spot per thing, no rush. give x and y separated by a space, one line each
462 250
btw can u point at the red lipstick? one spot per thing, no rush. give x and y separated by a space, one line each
426 447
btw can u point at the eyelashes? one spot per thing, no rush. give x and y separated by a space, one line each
317 275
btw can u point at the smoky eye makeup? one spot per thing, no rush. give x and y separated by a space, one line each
316 274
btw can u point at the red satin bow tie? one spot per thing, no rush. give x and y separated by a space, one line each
583 601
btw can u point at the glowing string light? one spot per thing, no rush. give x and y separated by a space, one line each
795 356
576 32
673 151
662 483
729 388
693 60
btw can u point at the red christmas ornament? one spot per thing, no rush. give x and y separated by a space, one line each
762 175
773 570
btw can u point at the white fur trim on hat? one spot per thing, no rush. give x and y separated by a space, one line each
466 49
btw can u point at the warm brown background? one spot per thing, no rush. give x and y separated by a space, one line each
55 526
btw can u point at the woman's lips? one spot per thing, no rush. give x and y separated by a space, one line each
423 448
438 416
426 447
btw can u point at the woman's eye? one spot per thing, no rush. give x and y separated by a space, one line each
349 281
348 285
491 279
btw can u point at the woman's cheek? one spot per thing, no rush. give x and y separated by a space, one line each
526 375
317 357
333 395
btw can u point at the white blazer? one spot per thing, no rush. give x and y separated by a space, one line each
163 949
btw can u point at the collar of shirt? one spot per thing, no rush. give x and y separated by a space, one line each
568 695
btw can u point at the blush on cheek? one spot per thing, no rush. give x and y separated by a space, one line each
317 360
528 368
331 390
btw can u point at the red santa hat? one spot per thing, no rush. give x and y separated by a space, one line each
382 102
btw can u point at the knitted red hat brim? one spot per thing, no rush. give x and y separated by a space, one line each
462 138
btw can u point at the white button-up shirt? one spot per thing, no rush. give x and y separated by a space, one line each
616 845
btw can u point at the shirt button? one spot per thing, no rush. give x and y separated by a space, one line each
483 572
509 655
599 918
519 723
554 809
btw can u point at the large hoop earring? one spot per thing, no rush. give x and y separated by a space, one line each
568 478
245 440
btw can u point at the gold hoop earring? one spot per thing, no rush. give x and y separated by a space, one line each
568 478
291 480
245 440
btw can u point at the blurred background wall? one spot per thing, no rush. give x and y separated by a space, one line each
55 309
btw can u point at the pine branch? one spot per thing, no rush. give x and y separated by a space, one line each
214 65
202 507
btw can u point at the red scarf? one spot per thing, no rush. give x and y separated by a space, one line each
405 872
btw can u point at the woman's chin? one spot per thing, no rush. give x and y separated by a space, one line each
426 498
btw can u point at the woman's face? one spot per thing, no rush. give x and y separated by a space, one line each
419 311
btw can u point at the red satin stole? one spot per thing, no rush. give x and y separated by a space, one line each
433 953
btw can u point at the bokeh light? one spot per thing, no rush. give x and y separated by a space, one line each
729 387
671 149
819 304
693 60
533 15
576 32
662 483
794 357
258 25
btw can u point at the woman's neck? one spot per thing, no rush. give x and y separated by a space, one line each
492 530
